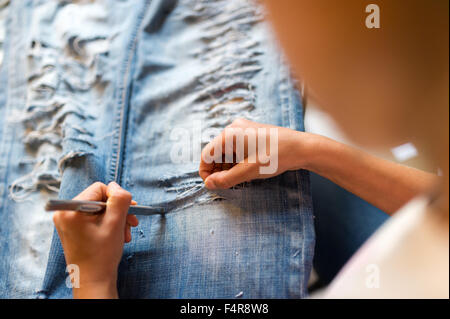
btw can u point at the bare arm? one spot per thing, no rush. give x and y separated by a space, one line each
385 184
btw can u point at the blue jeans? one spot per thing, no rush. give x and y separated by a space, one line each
119 81
343 222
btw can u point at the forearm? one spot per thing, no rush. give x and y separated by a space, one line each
386 185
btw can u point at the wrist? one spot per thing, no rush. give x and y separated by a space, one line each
96 290
316 152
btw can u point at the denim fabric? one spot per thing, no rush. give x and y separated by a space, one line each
25 229
55 84
126 78
343 222
3 14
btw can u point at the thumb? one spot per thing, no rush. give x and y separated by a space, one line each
242 172
118 202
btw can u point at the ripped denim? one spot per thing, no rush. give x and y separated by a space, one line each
96 90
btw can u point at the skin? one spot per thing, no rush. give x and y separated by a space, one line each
385 184
384 87
95 242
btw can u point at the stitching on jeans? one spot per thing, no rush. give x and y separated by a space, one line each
118 142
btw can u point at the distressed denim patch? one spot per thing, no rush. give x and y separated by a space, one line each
94 91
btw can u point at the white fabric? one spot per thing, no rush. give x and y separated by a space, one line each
408 257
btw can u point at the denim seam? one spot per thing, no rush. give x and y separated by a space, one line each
306 217
300 176
302 235
286 121
124 87
302 283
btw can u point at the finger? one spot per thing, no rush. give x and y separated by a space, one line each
132 220
242 172
62 218
227 143
95 192
127 236
207 162
118 203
